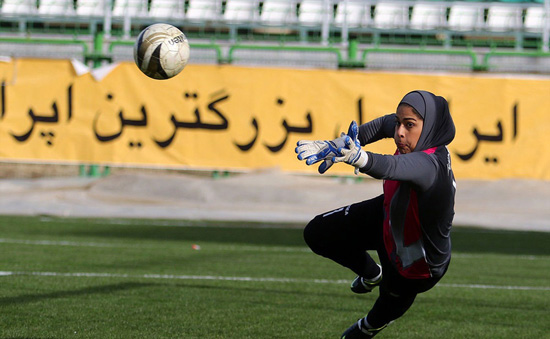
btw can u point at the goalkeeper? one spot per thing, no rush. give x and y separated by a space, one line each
408 225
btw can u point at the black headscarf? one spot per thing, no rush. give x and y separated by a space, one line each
439 128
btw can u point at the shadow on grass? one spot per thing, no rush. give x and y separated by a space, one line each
298 293
470 240
106 289
211 290
479 240
348 298
464 239
196 231
253 236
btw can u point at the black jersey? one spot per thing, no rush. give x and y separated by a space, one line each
419 189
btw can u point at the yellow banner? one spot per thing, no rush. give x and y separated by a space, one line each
238 118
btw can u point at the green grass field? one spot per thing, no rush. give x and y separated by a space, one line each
105 278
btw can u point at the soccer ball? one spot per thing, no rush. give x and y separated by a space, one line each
161 51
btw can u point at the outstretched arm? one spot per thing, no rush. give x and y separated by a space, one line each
377 129
418 168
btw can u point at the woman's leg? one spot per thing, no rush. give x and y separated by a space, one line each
388 307
397 295
345 234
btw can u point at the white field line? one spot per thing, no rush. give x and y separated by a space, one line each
198 223
58 243
121 245
162 223
515 256
239 248
248 279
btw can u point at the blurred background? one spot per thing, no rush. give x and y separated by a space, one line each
504 36
497 50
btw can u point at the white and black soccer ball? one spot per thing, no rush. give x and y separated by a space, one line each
161 51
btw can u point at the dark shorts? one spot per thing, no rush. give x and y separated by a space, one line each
345 234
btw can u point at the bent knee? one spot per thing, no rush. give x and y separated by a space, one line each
315 236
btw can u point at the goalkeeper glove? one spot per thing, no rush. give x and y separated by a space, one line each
352 153
313 151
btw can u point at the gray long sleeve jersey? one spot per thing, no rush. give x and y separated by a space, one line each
419 189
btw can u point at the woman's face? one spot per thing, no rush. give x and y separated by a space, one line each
408 127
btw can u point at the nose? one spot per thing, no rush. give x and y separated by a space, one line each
399 130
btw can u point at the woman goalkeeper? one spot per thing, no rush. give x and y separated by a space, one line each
408 225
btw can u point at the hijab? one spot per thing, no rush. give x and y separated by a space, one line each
438 128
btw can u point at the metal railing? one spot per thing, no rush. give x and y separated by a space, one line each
353 56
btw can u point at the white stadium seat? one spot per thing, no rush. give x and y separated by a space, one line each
278 12
90 8
237 11
130 8
19 7
502 18
534 19
56 7
203 10
465 17
355 13
312 13
170 9
390 15
428 16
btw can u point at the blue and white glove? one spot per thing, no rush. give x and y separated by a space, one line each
352 153
313 151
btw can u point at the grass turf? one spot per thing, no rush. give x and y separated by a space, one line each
104 278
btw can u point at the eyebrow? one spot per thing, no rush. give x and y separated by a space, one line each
406 118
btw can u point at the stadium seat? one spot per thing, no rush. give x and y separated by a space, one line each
203 10
56 7
312 13
502 18
239 11
130 8
391 15
18 7
278 12
169 9
467 17
534 19
357 14
428 16
86 8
